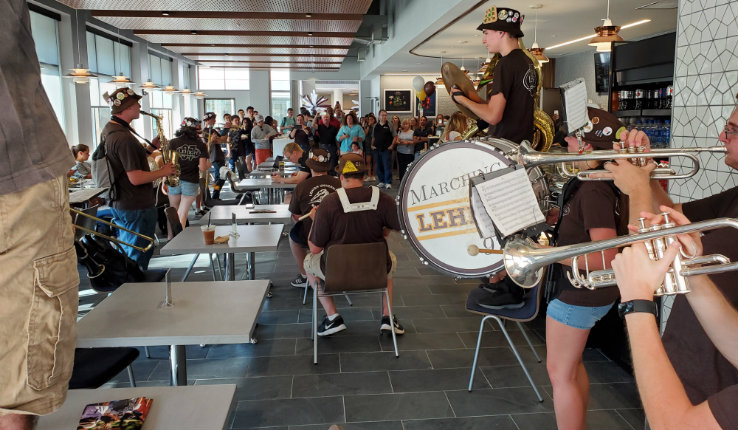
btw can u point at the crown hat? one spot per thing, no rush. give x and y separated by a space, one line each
120 99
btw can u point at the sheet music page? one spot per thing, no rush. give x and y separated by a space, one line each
575 104
481 218
510 202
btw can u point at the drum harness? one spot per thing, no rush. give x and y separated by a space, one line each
359 206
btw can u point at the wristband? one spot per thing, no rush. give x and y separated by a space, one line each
632 306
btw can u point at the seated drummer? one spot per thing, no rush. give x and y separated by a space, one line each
509 111
293 153
353 214
708 375
306 196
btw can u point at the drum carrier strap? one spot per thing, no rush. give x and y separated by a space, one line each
359 206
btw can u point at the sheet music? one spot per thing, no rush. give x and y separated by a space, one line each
575 104
510 202
484 223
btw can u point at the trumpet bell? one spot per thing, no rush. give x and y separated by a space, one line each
521 262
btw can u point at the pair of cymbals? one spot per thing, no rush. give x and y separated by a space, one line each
452 75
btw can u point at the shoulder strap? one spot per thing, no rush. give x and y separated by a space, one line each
569 189
359 206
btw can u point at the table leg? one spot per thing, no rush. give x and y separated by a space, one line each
178 361
230 266
252 266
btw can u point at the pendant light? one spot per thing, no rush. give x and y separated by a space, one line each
150 85
536 50
170 89
606 34
121 80
439 80
79 74
186 92
200 95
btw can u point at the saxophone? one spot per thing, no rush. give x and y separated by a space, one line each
167 154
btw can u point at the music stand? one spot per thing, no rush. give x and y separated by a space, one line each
574 99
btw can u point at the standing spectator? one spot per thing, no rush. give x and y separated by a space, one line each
260 135
237 143
327 133
439 125
39 279
134 206
249 150
226 122
250 113
371 120
395 126
350 132
288 122
382 144
405 143
193 159
334 121
302 134
420 136
241 115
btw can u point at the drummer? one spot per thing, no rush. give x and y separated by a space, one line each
509 110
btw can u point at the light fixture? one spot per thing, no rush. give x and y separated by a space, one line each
536 50
79 75
606 34
310 33
193 32
170 89
165 13
149 85
121 81
186 91
439 80
200 95
308 15
482 70
589 36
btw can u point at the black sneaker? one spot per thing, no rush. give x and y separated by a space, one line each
386 326
328 327
300 281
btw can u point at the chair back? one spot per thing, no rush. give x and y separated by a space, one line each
173 224
358 266
234 186
528 312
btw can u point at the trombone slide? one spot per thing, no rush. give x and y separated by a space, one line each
113 239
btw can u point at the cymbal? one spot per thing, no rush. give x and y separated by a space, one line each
452 75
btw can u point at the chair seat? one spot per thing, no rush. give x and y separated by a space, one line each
154 275
93 367
525 313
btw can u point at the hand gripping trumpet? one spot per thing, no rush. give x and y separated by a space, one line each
525 262
529 157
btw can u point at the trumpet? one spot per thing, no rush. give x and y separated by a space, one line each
112 239
167 154
529 157
525 262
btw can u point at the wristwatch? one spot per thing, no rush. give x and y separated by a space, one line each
631 306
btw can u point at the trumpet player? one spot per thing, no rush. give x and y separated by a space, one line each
131 177
667 399
702 369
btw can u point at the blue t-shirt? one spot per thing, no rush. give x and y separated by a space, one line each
355 131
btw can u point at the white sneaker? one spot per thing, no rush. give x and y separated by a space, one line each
388 187
380 185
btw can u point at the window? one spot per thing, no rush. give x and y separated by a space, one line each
280 80
220 106
211 78
160 69
106 56
99 106
45 32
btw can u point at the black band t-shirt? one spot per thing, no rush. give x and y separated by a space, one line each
190 152
310 193
127 154
516 78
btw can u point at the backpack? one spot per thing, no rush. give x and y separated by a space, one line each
102 172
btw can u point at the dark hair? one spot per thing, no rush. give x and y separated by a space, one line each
226 114
79 148
250 107
354 175
249 124
269 120
350 114
241 110
188 132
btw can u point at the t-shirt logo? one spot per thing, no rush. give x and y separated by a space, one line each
319 196
530 80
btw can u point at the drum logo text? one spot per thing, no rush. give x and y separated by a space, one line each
443 219
427 192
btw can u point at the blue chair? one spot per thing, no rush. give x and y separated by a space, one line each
528 312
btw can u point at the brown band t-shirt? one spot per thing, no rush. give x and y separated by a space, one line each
516 78
593 205
705 373
310 193
126 154
333 226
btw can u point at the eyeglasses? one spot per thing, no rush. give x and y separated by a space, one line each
730 131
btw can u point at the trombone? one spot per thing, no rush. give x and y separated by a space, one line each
525 262
529 157
112 239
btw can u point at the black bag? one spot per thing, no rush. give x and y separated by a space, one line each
107 265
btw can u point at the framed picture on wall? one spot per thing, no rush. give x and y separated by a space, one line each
398 101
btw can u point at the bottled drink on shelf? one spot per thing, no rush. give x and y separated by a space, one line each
638 99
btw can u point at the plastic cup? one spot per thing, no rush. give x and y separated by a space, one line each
208 233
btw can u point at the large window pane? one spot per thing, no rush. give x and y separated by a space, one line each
155 69
91 52
220 106
280 103
122 59
212 78
52 83
166 72
105 55
44 31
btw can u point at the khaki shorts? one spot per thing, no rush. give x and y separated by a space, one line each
38 298
312 265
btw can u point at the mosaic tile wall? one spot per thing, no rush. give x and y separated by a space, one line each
705 85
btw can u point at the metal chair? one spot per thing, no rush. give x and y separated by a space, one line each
343 262
528 312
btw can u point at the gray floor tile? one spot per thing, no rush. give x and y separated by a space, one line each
206 369
350 342
367 425
497 401
513 376
433 299
281 412
381 407
412 312
288 316
295 365
378 361
492 338
283 331
422 341
266 387
614 396
446 325
635 417
497 422
502 356
264 348
434 380
341 384
596 420
603 372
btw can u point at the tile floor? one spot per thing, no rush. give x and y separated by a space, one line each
359 384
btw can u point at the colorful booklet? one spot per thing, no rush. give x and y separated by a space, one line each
126 414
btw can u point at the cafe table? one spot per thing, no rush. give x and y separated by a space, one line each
182 408
249 239
212 313
273 190
248 214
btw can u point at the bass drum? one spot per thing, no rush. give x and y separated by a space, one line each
434 210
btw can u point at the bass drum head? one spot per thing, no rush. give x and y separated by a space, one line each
434 210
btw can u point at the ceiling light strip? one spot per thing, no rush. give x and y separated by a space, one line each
589 36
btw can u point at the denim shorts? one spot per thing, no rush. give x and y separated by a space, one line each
296 234
185 188
582 317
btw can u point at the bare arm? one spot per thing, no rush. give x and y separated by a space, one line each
594 260
490 112
314 249
296 179
204 164
140 177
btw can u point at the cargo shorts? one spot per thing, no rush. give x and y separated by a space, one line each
311 264
38 298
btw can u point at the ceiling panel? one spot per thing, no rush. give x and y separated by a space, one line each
304 66
302 6
168 23
190 51
248 40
